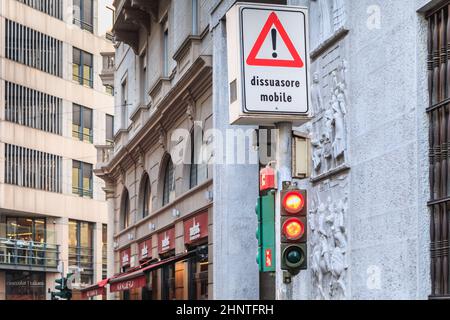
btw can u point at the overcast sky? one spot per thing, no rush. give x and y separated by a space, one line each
104 16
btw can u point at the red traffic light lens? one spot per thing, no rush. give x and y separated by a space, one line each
293 202
293 229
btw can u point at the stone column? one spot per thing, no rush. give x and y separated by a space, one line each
109 193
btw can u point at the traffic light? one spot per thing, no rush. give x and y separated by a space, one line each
293 212
265 232
63 290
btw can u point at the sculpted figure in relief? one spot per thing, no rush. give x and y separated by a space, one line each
316 96
339 111
329 246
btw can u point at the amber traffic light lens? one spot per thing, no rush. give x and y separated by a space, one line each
293 229
293 202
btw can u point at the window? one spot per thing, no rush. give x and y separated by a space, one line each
109 129
144 88
32 169
166 53
169 183
125 210
438 114
82 123
81 248
124 104
27 229
53 8
195 16
32 48
145 196
198 169
82 67
32 108
82 179
82 14
104 251
168 282
198 275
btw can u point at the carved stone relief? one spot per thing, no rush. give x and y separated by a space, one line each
329 129
328 239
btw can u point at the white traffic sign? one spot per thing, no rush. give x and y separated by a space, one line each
268 63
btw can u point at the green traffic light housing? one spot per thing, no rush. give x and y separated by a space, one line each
265 232
64 291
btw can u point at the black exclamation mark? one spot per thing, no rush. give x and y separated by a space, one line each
274 42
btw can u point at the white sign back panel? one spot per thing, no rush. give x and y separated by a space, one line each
274 62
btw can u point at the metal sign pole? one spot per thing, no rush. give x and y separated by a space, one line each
284 166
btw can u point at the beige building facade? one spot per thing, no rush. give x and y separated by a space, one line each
53 109
158 189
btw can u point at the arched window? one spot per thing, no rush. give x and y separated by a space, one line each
198 170
145 197
169 183
125 210
193 172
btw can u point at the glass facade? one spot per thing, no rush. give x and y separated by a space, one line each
198 277
23 243
26 229
81 249
25 285
168 282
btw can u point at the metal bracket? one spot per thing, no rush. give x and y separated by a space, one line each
287 278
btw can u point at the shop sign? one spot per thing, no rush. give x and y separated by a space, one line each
125 257
196 228
94 292
145 248
138 282
166 240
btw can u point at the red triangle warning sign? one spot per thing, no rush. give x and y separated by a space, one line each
252 59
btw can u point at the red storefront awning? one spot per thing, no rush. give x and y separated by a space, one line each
127 282
137 279
95 290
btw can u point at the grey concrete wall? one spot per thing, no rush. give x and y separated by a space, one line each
387 127
235 192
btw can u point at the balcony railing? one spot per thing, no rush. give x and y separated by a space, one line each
28 254
85 193
108 61
83 25
104 153
107 74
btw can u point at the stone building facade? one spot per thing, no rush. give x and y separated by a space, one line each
375 67
369 189
53 109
